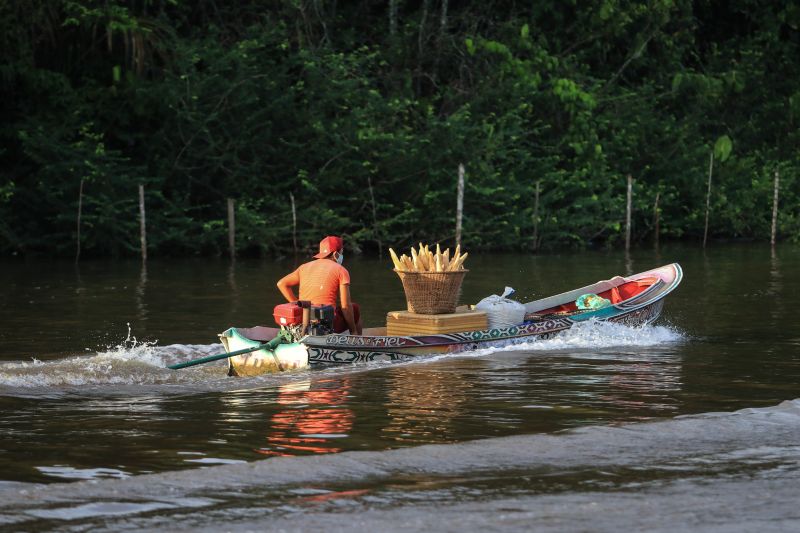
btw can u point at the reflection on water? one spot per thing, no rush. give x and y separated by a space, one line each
234 288
141 305
329 496
629 269
68 472
775 287
643 384
85 410
423 403
313 413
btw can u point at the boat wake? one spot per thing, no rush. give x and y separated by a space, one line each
129 363
592 336
133 363
678 472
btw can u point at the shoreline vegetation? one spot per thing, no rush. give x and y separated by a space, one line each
173 128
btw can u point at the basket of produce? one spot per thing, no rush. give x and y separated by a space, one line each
432 282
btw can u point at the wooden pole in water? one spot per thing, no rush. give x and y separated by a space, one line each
708 196
294 223
231 229
628 209
775 209
459 203
536 216
655 216
80 209
142 224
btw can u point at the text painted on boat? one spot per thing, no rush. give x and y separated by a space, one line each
384 342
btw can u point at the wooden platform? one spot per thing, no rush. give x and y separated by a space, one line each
407 323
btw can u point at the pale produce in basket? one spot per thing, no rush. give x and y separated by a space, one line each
396 260
423 260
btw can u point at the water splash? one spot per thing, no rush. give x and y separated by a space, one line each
131 362
589 335
599 335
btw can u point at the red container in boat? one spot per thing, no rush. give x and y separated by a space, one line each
288 314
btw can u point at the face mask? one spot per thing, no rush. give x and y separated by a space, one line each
340 258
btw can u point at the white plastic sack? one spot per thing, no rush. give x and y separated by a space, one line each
501 311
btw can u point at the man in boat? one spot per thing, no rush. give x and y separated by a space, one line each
326 282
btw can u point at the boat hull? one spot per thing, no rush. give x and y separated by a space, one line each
636 311
357 352
291 356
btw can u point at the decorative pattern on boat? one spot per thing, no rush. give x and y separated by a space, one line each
459 342
391 343
324 355
640 317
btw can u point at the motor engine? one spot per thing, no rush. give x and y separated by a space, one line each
301 318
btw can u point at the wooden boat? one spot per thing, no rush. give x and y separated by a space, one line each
636 300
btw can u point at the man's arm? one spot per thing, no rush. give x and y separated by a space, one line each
286 283
347 309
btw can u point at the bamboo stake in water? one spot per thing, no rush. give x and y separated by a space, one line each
708 196
80 208
294 224
142 224
775 209
231 229
459 203
628 214
536 217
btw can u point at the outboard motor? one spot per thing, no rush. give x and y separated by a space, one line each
301 318
320 320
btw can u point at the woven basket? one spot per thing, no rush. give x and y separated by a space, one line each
432 293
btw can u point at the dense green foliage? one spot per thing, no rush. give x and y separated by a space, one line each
363 110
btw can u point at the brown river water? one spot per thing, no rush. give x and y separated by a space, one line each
85 395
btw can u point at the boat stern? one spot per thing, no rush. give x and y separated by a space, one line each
289 356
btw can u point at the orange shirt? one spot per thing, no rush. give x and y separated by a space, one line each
320 280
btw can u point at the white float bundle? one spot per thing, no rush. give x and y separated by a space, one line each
501 311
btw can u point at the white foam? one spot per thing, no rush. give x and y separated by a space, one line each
129 363
144 363
598 334
588 335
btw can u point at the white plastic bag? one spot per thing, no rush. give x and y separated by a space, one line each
501 311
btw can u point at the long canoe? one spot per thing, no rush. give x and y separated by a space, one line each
636 300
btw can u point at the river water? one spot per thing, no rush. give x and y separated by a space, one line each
541 433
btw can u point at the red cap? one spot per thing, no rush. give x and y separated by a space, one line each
328 245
